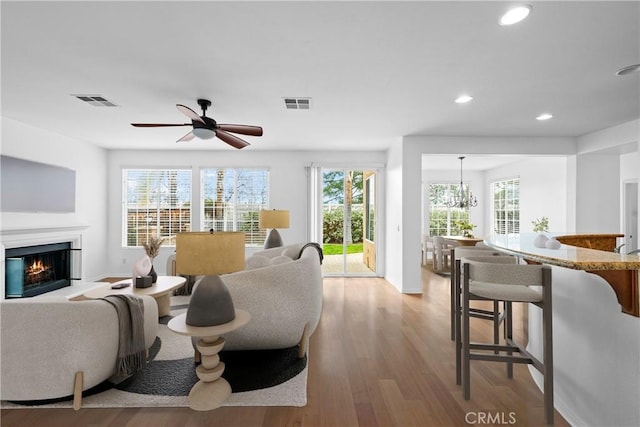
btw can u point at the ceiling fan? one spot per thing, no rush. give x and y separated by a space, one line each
206 128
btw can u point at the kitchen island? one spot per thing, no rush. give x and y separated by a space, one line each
596 334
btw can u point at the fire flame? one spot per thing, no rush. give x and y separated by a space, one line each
37 267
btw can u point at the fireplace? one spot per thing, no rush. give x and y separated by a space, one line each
34 270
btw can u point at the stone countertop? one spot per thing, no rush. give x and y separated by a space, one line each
566 256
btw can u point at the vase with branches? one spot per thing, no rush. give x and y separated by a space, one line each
152 249
540 226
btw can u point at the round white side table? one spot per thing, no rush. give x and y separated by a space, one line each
212 390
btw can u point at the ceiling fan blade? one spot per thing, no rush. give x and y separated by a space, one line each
189 113
187 137
155 125
232 140
243 129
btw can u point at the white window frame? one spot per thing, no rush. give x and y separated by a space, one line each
511 207
254 237
158 194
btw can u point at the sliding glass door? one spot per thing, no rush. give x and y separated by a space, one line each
348 220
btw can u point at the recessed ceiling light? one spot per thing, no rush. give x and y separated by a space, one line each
463 99
515 14
628 70
544 116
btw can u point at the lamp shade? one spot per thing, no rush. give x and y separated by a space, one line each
273 219
204 253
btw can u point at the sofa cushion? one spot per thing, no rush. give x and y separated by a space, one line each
291 251
281 259
257 261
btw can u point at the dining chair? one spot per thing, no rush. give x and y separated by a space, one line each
485 278
442 250
427 247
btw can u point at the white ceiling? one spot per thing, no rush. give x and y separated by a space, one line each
376 71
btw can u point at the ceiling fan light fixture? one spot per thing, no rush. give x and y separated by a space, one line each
515 14
204 133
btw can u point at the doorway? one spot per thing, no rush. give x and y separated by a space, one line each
348 218
630 219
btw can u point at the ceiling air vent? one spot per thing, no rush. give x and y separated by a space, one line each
297 103
95 100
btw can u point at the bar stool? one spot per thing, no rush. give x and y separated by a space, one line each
493 315
456 254
483 278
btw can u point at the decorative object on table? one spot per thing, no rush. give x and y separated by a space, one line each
273 219
152 249
210 303
462 199
541 226
142 282
142 268
465 227
552 244
202 253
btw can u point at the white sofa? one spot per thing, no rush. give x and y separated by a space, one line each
47 341
283 294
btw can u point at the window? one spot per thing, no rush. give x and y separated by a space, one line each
231 199
442 218
505 206
156 203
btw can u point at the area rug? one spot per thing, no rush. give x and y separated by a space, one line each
257 378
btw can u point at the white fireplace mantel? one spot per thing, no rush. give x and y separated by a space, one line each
19 237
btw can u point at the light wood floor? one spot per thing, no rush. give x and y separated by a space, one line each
378 358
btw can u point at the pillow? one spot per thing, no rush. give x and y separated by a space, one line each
257 261
281 260
291 252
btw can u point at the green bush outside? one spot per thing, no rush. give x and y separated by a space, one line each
332 230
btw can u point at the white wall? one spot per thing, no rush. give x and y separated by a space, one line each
598 195
605 160
393 224
89 162
287 188
543 190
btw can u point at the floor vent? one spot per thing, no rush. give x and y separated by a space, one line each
297 103
95 100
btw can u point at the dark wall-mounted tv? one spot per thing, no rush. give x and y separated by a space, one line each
28 186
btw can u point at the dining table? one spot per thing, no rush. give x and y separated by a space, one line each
464 241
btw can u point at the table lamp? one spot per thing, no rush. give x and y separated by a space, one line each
205 253
273 219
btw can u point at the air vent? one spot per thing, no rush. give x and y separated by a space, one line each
95 100
297 103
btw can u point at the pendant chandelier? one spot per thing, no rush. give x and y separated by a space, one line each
461 199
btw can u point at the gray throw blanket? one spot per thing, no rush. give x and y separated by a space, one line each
131 351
